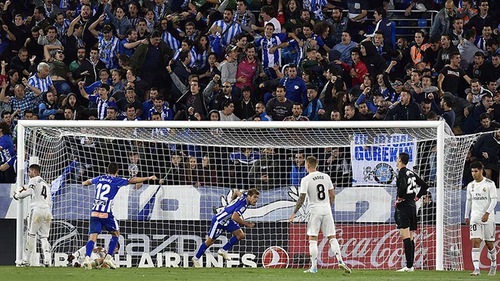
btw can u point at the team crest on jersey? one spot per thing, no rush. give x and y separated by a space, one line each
275 257
484 189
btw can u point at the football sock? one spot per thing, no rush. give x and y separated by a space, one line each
30 247
45 250
408 247
475 257
493 256
112 245
89 248
335 247
232 241
201 250
313 251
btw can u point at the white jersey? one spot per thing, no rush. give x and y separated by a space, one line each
481 198
316 186
39 191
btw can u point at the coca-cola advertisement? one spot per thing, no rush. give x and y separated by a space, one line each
364 247
484 261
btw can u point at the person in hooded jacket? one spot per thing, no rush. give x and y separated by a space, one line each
374 62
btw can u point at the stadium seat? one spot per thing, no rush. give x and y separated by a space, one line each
422 23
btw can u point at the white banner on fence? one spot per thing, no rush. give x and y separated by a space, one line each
374 157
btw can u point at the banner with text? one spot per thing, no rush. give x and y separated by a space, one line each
374 157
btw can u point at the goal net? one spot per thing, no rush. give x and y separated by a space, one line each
162 223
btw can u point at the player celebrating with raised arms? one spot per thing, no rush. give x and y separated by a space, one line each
107 187
480 204
40 214
229 219
318 188
405 214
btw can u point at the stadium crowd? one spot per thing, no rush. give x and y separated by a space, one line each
265 60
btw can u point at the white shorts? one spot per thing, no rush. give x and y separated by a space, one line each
324 222
482 231
39 222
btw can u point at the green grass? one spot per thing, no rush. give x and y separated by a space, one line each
221 274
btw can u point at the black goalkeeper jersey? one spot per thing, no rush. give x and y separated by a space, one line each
407 186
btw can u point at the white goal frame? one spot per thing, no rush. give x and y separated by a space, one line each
438 125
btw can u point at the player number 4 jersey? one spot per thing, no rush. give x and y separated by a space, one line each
39 191
480 196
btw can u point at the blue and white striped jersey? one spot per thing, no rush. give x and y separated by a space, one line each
102 105
173 43
228 30
270 59
239 205
42 84
194 56
106 189
108 51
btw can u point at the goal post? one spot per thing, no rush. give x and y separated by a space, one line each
172 217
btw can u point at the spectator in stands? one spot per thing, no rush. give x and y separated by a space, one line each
7 155
338 24
48 109
101 99
279 107
432 52
457 33
467 11
260 111
475 92
229 67
71 103
468 49
298 170
486 150
384 26
227 112
268 15
451 75
443 20
448 113
427 212
487 125
270 44
41 82
249 70
351 113
89 68
474 112
357 13
405 109
109 44
264 172
244 17
119 20
483 18
478 69
357 70
161 107
59 71
314 109
486 34
21 64
295 87
150 60
444 54
374 62
344 48
245 107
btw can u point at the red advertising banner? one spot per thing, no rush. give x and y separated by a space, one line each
484 262
379 247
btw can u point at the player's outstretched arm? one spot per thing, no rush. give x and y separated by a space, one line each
141 179
237 218
87 182
236 194
22 193
298 205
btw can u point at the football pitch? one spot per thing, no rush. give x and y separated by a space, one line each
221 274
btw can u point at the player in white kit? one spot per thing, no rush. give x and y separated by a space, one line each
40 214
480 204
318 188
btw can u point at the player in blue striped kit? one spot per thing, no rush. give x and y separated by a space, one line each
107 187
229 219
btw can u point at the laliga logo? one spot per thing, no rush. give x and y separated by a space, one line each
275 257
